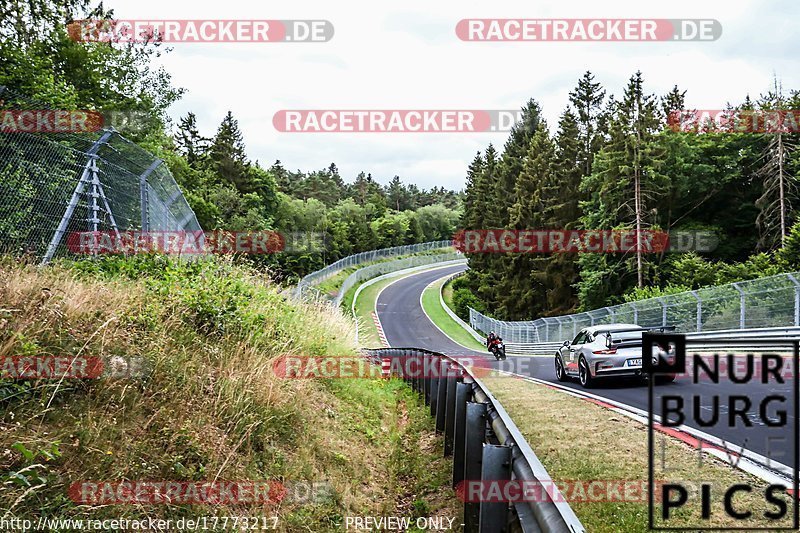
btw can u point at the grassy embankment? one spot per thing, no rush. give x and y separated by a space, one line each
331 285
433 307
210 406
578 440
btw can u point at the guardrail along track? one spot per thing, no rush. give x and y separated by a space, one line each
484 442
736 335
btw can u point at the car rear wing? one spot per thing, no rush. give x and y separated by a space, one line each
631 342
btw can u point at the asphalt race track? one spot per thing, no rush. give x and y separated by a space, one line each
406 325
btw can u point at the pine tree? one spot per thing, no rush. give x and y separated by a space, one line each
587 99
397 196
510 165
626 176
229 158
522 290
471 218
674 101
561 199
190 143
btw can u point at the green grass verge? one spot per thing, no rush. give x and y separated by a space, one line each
365 305
331 285
210 405
433 307
578 440
447 293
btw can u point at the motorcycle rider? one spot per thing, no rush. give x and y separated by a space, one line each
490 339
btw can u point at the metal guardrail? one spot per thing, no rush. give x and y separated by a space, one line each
539 348
772 301
372 271
305 286
738 335
485 445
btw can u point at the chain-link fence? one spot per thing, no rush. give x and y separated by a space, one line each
55 184
766 302
305 288
379 269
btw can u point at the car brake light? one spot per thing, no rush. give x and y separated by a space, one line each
610 351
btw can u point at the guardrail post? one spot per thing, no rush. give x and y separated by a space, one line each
459 431
434 390
450 410
426 382
441 400
407 375
419 364
474 437
496 468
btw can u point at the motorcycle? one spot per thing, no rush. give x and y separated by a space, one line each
498 349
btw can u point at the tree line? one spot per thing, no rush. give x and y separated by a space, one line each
613 163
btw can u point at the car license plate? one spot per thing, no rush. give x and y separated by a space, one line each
634 362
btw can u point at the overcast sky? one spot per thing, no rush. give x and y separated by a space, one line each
405 55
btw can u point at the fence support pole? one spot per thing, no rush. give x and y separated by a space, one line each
91 153
635 313
143 197
741 304
796 299
663 311
699 310
94 220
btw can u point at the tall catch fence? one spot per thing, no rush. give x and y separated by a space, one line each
54 185
306 286
766 302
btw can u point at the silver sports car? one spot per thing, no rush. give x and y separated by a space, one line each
609 350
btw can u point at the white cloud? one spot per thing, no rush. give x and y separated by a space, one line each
402 56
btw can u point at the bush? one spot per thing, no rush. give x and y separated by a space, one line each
463 299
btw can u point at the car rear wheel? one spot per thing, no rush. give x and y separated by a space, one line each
583 373
560 374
